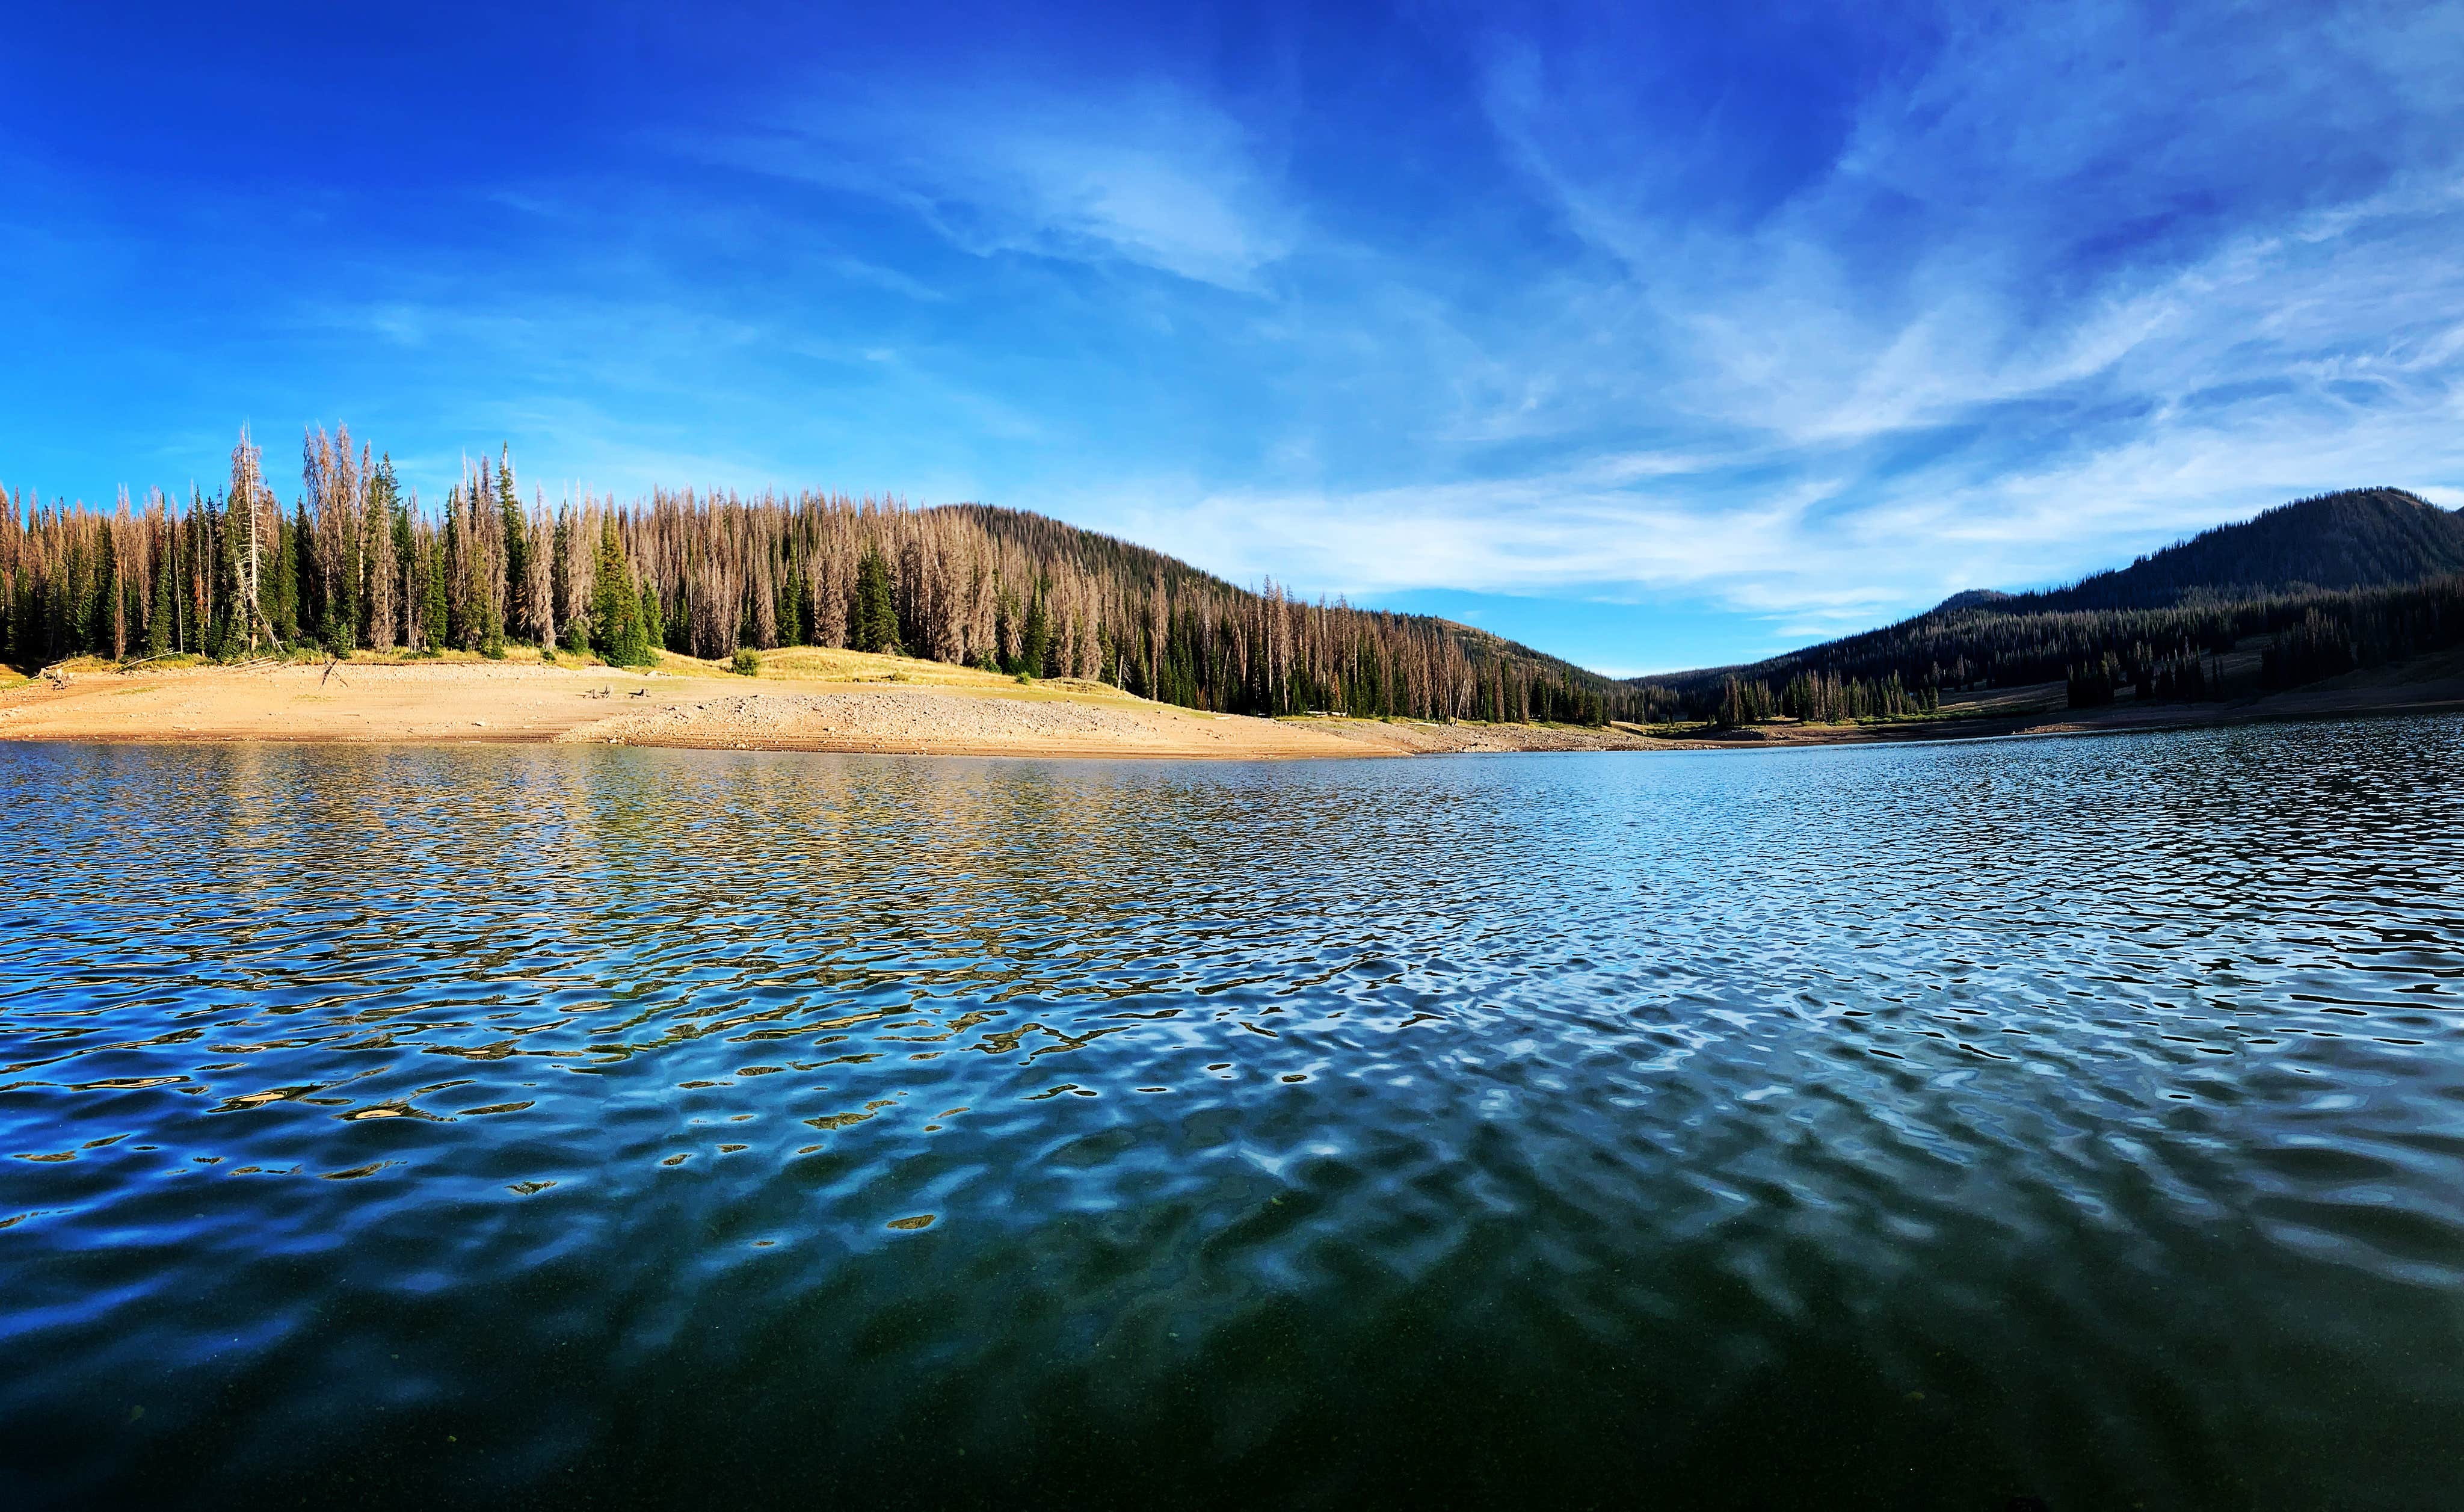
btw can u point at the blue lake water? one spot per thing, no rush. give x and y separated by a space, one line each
1930 1126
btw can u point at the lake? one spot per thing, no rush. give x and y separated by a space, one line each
2078 1120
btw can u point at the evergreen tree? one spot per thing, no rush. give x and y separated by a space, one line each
157 618
291 577
115 615
75 613
616 629
518 609
227 637
435 609
654 632
575 629
873 617
789 609
340 626
1035 640
453 574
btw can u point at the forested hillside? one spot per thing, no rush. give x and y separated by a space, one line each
357 563
2338 582
2360 538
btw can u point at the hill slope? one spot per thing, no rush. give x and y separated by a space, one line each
1049 540
2344 579
2358 538
354 561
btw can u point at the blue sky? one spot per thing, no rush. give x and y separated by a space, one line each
1655 336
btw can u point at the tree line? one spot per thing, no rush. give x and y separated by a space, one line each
2164 654
2331 582
2355 537
357 561
1818 698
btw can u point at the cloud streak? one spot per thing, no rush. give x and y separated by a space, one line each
1148 175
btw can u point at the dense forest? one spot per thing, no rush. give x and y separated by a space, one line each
2336 583
357 562
2361 538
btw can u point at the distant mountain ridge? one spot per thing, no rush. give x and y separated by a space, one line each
2355 537
2377 566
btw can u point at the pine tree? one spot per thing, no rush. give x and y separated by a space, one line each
291 578
461 630
616 629
435 603
654 625
228 635
1035 640
115 594
519 612
874 613
157 619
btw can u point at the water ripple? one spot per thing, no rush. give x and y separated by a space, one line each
1886 1127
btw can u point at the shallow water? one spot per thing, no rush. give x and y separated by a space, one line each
1891 1127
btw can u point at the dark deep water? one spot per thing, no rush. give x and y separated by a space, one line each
1893 1127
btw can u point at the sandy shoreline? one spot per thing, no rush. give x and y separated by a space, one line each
818 701
847 702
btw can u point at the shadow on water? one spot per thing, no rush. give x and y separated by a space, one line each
1896 1127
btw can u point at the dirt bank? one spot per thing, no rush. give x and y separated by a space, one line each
804 701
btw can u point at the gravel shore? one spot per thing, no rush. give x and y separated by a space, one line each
864 704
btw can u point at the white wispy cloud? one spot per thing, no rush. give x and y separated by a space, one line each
1149 174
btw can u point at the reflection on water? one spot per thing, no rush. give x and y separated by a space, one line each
1894 1127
